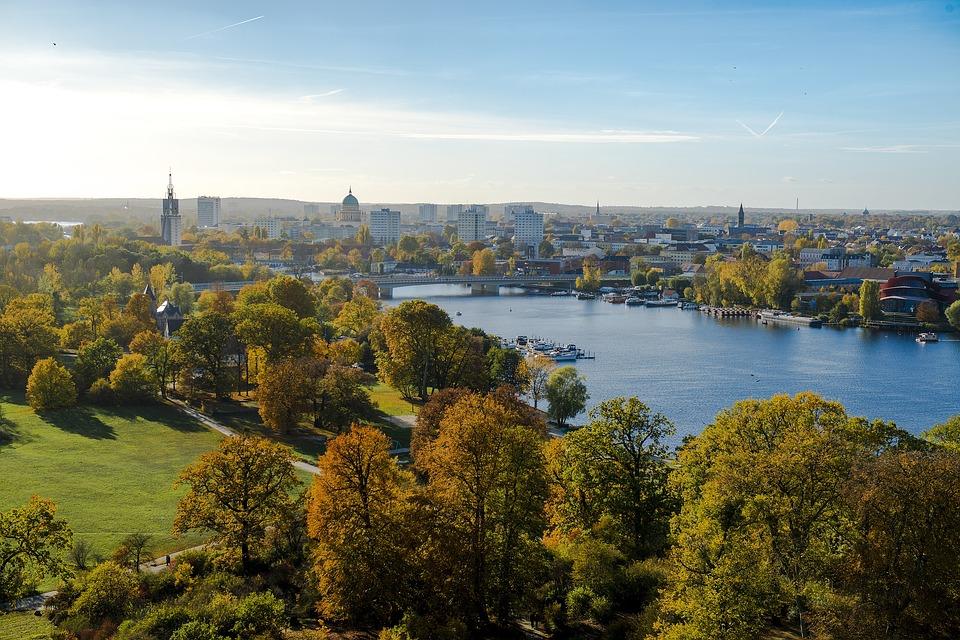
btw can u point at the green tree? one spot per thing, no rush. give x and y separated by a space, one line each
566 394
50 386
275 329
342 399
953 314
363 237
356 316
538 369
182 295
203 343
95 360
293 294
32 544
412 332
611 477
159 354
870 300
238 492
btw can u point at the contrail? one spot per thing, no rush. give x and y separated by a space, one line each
765 131
229 26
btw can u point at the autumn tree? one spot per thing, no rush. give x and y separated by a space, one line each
928 312
132 379
870 300
484 262
32 545
356 515
285 393
356 316
219 301
610 477
293 294
238 492
538 369
487 475
341 398
50 386
27 334
567 394
159 356
900 577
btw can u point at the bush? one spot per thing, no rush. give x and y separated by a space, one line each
259 613
105 593
160 623
197 630
100 393
578 602
50 386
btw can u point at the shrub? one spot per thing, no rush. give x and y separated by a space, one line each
50 386
105 593
160 622
578 602
197 630
100 393
259 613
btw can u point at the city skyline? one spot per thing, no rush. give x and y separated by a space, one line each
692 106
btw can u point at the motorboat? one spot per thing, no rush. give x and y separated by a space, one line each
583 295
928 336
633 301
661 303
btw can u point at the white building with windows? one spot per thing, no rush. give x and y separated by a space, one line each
472 224
453 213
269 225
385 226
428 213
208 211
528 230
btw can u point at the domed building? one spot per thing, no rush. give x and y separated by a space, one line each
350 211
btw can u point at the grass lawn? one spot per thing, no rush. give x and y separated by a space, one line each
110 471
23 625
390 401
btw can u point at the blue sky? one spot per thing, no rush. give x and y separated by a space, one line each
626 102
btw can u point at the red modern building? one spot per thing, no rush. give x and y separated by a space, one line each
903 293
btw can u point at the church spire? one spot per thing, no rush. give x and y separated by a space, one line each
740 216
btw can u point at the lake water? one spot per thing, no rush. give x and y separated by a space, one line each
688 366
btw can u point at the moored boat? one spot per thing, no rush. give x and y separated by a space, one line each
633 301
928 336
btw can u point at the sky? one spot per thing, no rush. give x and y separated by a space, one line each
839 104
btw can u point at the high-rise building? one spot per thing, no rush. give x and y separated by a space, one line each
269 225
171 224
208 211
385 226
472 224
350 210
453 213
311 210
528 230
428 213
510 211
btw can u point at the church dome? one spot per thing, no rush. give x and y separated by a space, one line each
351 200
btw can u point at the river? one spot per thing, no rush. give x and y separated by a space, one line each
688 366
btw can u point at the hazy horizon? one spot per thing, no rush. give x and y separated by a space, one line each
845 106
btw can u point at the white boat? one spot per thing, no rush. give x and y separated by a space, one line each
633 301
562 356
560 294
661 303
928 336
583 295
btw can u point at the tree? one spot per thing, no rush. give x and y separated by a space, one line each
202 341
275 329
611 477
356 515
132 380
427 427
953 314
487 477
285 392
539 369
293 294
132 550
238 492
946 434
787 226
219 301
566 393
363 237
507 367
356 316
342 399
50 386
106 593
870 300
901 574
590 280
928 312
545 250
411 335
32 543
484 262
159 355
95 360
763 520
161 276
182 295
27 334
